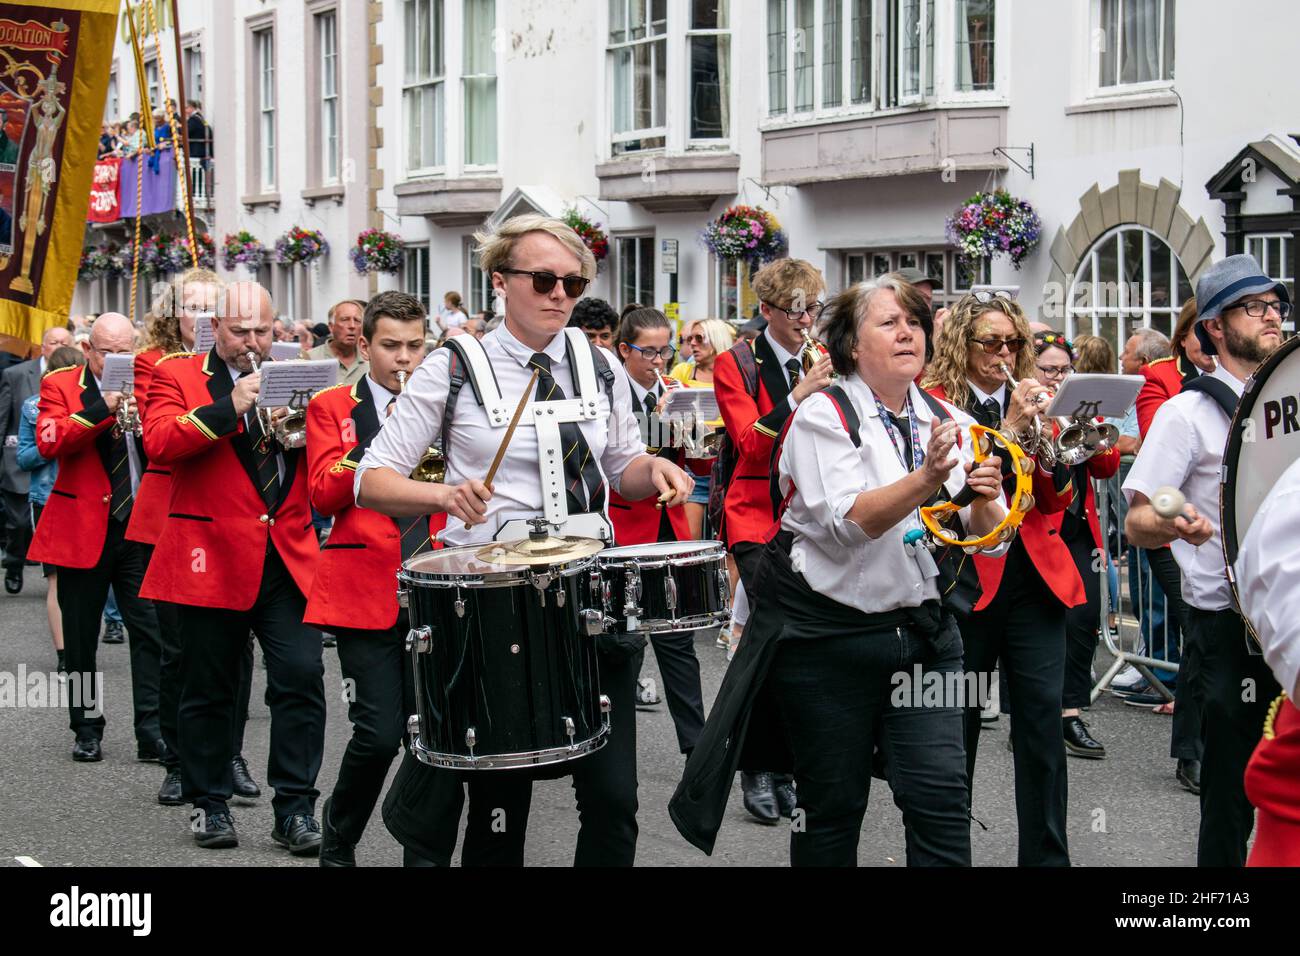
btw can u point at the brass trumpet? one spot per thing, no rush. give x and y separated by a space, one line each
809 354
291 431
1038 441
1078 440
128 418
432 466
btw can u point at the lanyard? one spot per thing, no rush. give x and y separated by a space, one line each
917 456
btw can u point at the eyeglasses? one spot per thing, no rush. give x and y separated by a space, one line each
696 339
1258 308
813 310
649 355
985 296
544 282
125 351
1056 371
994 346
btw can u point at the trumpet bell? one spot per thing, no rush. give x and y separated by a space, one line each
291 431
431 468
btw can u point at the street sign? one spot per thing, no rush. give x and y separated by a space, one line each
671 312
668 256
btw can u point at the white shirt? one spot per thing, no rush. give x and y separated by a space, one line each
1268 567
782 357
999 396
1184 450
836 556
416 424
382 397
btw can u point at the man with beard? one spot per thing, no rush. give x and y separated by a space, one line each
1240 322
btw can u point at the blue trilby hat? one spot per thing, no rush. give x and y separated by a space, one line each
1227 281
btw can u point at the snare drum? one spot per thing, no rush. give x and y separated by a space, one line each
504 661
664 588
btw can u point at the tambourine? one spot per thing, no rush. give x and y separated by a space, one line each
984 441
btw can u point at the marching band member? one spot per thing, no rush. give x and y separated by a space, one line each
1268 566
237 553
1080 529
170 329
354 580
540 267
706 339
757 389
1019 615
1239 323
643 338
83 533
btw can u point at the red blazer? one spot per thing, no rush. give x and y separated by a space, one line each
74 426
213 544
149 512
1100 467
356 580
752 423
1164 379
1041 534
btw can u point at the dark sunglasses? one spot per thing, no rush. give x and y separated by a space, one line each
994 346
544 282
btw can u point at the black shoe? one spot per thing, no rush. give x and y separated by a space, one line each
217 831
760 797
334 850
13 580
153 752
1189 775
299 834
114 633
1078 742
87 750
169 794
244 784
786 798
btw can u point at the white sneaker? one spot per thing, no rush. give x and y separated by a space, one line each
994 706
1127 679
646 691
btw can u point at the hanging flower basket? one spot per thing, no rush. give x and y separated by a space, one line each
243 249
207 258
119 261
747 234
591 234
162 254
377 251
300 245
96 261
994 224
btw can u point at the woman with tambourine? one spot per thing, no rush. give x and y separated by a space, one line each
984 365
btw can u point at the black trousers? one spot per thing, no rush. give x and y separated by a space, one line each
169 684
379 689
1082 623
1233 689
212 643
680 669
17 529
1024 627
82 594
837 696
1185 739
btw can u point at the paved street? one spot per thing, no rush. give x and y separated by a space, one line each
1126 810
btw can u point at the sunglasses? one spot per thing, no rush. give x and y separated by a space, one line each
664 353
985 296
696 339
994 346
544 282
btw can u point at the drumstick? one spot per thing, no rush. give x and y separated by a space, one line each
510 431
659 502
1170 503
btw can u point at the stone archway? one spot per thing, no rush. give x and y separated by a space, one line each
1130 201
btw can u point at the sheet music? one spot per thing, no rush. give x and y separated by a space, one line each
119 373
293 384
700 403
1089 396
285 351
204 336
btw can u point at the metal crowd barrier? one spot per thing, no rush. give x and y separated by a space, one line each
1146 634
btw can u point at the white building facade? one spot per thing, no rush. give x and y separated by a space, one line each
1143 141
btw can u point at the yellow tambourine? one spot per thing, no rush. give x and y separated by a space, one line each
1022 500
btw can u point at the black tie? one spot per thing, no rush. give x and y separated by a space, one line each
264 459
988 413
584 484
903 429
795 371
119 464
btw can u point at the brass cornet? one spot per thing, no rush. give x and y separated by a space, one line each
1078 440
432 466
1038 441
291 431
809 354
128 416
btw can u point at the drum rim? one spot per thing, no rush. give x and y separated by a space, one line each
703 555
516 575
1228 530
545 757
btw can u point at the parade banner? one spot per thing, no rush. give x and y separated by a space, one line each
55 57
103 191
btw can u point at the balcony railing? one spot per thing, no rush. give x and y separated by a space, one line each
201 186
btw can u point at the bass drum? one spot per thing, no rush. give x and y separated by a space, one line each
504 659
1263 442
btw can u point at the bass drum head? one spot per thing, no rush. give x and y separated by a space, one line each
1263 442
